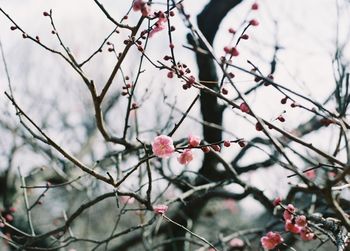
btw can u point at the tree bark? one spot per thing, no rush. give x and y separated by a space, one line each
208 22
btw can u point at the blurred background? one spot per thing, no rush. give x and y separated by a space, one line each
311 38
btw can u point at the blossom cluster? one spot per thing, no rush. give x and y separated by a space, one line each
145 9
163 147
295 224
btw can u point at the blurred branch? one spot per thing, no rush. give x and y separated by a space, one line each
49 141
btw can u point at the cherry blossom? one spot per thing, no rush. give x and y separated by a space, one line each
146 10
297 224
271 240
311 174
288 213
127 199
236 242
137 5
306 235
293 228
194 140
163 146
140 5
157 28
301 221
9 217
185 157
160 24
160 209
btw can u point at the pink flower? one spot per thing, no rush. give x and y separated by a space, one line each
163 146
236 242
306 235
160 209
288 213
301 221
127 199
194 140
140 5
291 208
146 10
185 157
311 174
9 217
157 28
12 209
290 227
161 17
137 5
271 240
